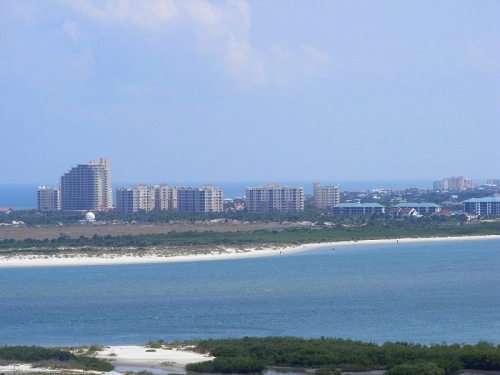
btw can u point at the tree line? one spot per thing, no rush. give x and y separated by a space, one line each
331 355
353 231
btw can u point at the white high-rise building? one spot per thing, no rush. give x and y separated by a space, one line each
48 199
274 198
325 197
87 187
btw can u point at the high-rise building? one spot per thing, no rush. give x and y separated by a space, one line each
325 197
87 187
48 199
142 197
134 199
494 182
455 183
204 199
274 198
164 197
126 200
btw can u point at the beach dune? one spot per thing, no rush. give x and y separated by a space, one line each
144 357
229 253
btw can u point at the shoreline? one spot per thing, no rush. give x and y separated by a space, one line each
164 361
64 260
129 358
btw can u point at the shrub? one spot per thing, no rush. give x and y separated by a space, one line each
236 365
421 368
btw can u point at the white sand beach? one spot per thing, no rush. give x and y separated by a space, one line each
134 356
229 253
142 356
137 358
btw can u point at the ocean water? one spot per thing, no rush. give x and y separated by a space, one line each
426 292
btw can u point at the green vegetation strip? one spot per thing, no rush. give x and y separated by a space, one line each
52 358
372 229
330 355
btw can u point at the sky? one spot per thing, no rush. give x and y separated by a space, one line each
201 90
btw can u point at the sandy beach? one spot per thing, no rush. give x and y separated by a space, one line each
131 358
229 253
135 356
160 361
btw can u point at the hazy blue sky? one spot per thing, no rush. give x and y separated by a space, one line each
235 90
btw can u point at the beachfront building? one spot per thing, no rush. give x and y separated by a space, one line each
420 208
133 199
87 187
164 197
146 198
358 209
274 198
482 206
48 199
207 198
325 197
454 183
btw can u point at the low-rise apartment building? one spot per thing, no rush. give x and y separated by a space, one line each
482 206
358 209
421 208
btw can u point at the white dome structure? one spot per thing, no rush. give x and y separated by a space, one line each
89 216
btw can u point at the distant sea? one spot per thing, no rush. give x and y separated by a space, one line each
21 197
424 292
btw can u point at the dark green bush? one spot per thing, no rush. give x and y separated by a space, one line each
421 368
328 354
223 365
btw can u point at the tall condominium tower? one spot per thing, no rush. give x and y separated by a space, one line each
134 199
275 198
144 198
455 183
204 199
164 197
325 197
48 199
87 187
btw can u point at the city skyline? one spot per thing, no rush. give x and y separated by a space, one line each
209 91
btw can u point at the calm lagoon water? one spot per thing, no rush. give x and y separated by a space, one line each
422 292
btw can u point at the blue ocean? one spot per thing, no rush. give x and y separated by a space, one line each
426 292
